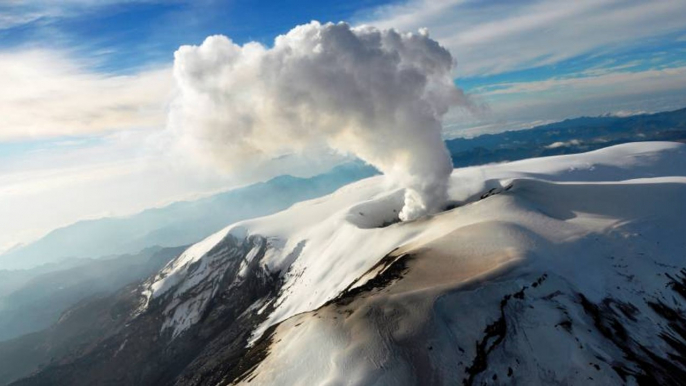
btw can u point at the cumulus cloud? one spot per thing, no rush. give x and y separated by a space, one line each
377 94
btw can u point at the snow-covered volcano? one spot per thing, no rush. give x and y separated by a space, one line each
516 281
559 270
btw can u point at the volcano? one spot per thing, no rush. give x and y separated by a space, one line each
558 270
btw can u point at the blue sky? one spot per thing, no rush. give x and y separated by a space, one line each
86 83
497 44
125 36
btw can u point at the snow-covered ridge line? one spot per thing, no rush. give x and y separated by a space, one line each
322 246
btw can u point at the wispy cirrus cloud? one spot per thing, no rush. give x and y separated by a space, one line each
639 82
650 90
496 37
15 13
48 94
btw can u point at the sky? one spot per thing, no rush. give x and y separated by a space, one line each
85 85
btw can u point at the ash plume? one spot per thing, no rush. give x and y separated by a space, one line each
377 94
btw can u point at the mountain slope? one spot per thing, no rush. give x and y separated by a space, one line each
564 270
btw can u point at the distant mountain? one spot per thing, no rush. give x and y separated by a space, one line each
10 281
39 301
561 270
42 301
180 223
568 137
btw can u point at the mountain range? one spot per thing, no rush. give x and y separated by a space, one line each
556 270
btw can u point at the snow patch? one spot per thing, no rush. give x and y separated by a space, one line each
176 269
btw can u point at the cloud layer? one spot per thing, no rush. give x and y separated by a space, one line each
502 36
47 94
377 94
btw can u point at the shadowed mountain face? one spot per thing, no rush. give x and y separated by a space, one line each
137 345
560 270
38 302
64 311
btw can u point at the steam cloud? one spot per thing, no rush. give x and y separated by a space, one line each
377 94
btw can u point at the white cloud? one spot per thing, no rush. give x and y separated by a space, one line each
497 37
638 82
379 95
11 20
15 13
625 113
555 145
46 93
517 105
650 90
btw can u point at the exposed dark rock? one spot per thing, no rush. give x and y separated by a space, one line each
678 283
391 268
646 366
494 334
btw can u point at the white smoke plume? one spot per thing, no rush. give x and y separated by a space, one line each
377 94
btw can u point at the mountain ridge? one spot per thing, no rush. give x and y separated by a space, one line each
507 268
